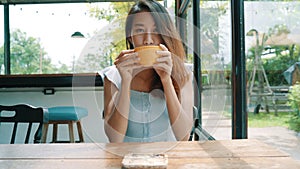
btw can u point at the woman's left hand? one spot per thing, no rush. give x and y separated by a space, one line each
164 64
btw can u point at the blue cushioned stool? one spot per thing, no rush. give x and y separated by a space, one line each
64 115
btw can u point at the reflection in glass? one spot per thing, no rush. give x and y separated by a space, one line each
216 66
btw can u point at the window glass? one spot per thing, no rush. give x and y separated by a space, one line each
272 33
1 40
215 30
41 39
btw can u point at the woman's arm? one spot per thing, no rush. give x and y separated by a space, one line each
180 113
116 111
117 101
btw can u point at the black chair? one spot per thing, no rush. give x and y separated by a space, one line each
22 113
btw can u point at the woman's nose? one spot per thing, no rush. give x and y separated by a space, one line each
148 39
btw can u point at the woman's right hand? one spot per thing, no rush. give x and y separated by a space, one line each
126 62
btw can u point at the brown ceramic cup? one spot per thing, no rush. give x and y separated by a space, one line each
147 54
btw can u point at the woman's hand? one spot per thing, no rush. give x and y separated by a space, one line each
126 62
164 63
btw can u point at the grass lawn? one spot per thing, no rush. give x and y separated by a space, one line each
269 119
263 119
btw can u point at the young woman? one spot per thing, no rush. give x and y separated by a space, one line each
147 104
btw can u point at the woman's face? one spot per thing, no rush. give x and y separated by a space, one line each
144 31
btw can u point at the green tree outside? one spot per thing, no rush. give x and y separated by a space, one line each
112 37
285 56
27 56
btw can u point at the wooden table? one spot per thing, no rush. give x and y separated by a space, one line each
210 154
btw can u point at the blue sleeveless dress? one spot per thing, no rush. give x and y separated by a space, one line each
148 115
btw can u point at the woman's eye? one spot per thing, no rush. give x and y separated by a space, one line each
137 31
